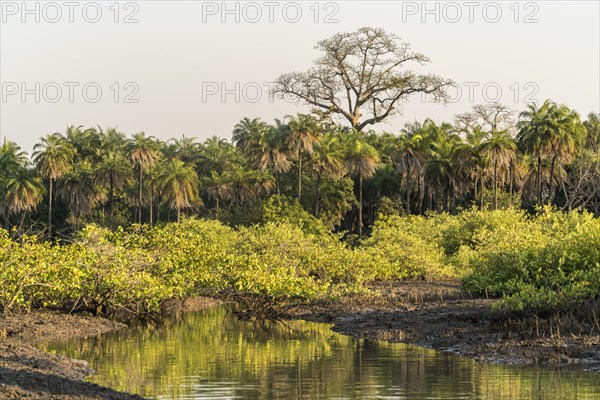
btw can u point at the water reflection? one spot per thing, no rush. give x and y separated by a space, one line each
210 354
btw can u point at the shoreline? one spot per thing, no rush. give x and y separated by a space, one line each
437 315
434 315
27 372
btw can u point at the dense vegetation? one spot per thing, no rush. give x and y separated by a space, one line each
484 159
544 263
277 215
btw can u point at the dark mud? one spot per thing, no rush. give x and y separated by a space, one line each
29 373
438 315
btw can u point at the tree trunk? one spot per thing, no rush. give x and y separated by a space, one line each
318 188
299 176
510 184
421 194
111 193
539 180
481 190
50 211
551 188
158 207
178 212
140 197
360 205
217 207
408 189
151 206
495 184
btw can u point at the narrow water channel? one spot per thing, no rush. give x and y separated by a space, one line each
211 354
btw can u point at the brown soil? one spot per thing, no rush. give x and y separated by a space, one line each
438 315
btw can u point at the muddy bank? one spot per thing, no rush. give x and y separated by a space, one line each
29 373
439 316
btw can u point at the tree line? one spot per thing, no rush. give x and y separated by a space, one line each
487 158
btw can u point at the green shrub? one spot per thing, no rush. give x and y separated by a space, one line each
401 248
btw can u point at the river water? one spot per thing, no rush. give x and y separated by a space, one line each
210 354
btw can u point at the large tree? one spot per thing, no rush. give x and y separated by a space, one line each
361 77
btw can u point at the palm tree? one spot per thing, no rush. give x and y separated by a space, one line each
475 161
361 161
24 191
76 188
326 161
179 185
266 150
185 149
21 187
218 188
54 158
443 168
303 133
592 126
144 152
84 142
501 150
245 130
410 154
113 167
217 154
552 131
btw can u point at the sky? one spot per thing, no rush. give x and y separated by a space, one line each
197 67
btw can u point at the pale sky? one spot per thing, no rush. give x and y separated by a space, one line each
194 70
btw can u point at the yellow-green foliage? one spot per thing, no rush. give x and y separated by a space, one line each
133 272
542 263
404 248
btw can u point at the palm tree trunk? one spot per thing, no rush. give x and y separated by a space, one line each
481 189
50 211
140 197
430 195
158 207
408 189
318 188
178 212
151 206
421 194
217 207
551 188
539 180
360 206
510 185
495 184
299 176
21 221
111 193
